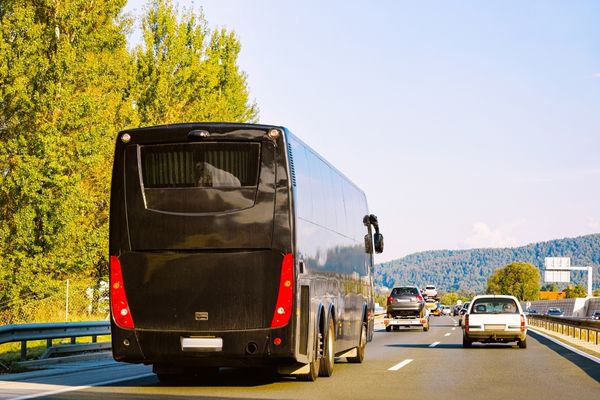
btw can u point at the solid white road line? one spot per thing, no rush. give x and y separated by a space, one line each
400 365
448 334
75 388
434 344
566 346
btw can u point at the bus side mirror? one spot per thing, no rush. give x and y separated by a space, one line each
378 243
368 244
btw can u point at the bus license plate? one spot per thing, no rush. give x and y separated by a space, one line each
201 344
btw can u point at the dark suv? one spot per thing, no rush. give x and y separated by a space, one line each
407 302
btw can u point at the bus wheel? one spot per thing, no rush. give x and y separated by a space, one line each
313 374
360 349
326 368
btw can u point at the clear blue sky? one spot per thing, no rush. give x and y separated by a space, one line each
467 123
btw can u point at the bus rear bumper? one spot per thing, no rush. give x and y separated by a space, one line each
210 349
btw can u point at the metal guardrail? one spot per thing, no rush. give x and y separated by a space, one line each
49 331
583 329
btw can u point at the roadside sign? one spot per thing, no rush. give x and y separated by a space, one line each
557 262
557 276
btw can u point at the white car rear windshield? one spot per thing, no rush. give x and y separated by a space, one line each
494 306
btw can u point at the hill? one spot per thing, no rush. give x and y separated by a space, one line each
468 270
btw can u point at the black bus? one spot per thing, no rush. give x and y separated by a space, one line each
236 245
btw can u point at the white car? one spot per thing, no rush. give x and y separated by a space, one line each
493 319
430 291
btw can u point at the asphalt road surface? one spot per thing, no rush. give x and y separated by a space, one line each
406 364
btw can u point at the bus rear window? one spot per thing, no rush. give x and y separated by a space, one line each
200 165
199 177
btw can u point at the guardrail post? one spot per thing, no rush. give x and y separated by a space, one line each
94 338
23 350
72 339
48 343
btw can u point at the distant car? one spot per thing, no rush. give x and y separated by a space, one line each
495 318
430 291
456 309
406 308
596 315
446 310
555 312
405 301
437 311
431 305
461 313
531 311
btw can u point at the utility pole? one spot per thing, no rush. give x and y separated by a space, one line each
67 303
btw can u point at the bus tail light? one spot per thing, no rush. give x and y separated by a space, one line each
118 300
522 323
283 307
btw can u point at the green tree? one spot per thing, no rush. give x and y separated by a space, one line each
572 292
550 287
449 298
64 73
519 279
67 85
184 72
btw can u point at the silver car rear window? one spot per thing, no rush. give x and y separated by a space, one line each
405 291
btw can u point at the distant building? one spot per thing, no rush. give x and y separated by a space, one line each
552 295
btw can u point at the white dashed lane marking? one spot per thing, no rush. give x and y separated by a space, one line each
447 334
400 365
434 344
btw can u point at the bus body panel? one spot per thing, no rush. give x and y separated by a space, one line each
206 292
328 210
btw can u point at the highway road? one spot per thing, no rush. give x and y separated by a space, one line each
409 364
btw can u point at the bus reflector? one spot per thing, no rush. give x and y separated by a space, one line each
283 308
118 300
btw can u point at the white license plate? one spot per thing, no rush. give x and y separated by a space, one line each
405 322
494 327
202 344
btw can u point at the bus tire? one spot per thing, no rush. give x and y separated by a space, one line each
313 374
326 367
360 349
388 328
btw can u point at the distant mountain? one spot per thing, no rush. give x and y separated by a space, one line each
468 270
